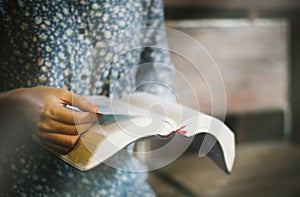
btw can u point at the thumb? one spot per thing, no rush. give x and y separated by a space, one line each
83 104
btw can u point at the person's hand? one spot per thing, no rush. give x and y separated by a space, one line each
55 126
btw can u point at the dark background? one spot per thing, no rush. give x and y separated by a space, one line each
268 151
288 10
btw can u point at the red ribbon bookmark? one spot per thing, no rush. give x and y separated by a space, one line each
179 131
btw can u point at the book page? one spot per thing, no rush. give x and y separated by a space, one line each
159 106
141 115
107 106
189 123
82 156
222 134
110 135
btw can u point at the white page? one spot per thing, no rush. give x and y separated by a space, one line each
148 115
108 106
192 121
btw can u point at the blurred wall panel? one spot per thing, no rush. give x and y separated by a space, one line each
252 57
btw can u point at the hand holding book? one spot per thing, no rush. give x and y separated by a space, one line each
44 110
142 115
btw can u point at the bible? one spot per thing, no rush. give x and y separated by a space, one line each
142 115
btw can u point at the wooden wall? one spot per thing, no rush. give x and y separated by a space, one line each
252 9
252 57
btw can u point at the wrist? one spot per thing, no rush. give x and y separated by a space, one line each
12 98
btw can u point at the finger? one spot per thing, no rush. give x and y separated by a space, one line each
83 104
52 147
69 116
55 147
54 126
99 116
77 100
68 141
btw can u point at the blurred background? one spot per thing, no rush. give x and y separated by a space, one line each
256 45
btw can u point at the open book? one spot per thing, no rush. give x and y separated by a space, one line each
142 115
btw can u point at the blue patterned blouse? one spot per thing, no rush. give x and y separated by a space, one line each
90 47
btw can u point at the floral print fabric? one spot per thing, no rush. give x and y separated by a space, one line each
96 47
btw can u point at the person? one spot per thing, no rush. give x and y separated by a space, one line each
51 54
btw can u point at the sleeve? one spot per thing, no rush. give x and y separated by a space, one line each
155 71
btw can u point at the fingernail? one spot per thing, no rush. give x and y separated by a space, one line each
96 108
99 116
